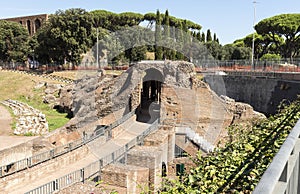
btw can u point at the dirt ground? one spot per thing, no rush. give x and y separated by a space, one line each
7 138
5 122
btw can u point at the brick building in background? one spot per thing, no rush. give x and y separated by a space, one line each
31 23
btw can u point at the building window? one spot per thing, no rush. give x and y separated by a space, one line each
29 27
37 24
179 169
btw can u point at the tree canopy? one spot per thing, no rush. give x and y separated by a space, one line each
286 26
13 42
65 37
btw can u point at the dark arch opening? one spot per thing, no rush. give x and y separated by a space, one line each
149 109
37 24
29 27
163 169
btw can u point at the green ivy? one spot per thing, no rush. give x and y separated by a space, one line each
239 165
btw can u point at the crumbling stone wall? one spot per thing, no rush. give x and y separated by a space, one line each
29 120
158 148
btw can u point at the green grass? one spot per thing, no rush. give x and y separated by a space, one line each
54 118
21 87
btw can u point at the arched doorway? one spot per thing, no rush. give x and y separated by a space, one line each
150 94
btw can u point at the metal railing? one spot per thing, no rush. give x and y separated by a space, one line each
94 168
58 151
282 176
259 65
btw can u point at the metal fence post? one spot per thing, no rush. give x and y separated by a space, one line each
100 167
125 155
29 162
82 174
109 134
70 147
52 153
55 185
113 157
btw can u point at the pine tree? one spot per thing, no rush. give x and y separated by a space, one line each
158 49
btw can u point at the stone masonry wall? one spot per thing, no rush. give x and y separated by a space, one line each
133 178
29 120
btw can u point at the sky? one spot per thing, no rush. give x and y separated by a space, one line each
230 20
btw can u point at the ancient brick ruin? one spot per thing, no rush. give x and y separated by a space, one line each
192 118
31 23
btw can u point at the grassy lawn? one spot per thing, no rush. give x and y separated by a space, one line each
21 87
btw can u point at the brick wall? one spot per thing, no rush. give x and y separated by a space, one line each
135 179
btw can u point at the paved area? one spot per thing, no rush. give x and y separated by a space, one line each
97 149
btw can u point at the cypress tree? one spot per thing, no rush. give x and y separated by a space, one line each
158 49
167 24
208 36
198 36
180 42
203 37
215 37
166 51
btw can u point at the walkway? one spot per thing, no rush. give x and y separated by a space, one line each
97 150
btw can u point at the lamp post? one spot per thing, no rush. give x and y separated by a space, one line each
253 36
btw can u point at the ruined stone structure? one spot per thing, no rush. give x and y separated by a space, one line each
29 120
153 89
31 23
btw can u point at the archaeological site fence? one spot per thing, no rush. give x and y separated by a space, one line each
60 150
93 169
269 65
279 65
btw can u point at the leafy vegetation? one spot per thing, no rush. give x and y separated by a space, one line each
65 36
69 34
238 166
13 42
278 35
284 32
